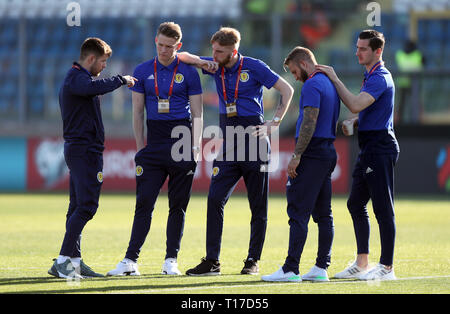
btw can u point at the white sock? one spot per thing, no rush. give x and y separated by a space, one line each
128 261
61 259
75 261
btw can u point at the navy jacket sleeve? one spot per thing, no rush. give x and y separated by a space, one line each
83 85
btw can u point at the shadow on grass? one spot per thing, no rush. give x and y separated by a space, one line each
121 286
51 279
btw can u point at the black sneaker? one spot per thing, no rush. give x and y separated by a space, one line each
250 267
205 268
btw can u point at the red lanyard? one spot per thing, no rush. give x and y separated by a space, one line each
312 74
225 98
375 66
171 83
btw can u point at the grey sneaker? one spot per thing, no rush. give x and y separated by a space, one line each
353 271
316 274
64 270
87 272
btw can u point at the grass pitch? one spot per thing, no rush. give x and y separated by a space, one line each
32 229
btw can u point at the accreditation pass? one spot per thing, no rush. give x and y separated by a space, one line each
163 106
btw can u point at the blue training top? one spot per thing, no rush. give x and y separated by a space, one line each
186 83
80 109
319 92
255 74
376 122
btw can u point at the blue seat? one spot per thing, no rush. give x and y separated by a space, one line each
435 30
9 34
36 105
447 29
3 105
446 55
41 33
423 28
399 33
10 88
2 87
62 34
121 51
387 19
433 59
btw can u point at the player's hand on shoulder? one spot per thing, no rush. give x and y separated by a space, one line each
328 70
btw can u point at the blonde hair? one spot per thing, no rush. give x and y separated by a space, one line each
300 54
227 36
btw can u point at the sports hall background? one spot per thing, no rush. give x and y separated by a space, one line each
37 47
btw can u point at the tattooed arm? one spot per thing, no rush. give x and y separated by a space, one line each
306 132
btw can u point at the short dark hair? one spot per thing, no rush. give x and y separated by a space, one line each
376 39
96 46
171 30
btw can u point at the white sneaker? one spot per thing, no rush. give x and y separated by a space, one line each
170 267
280 275
125 268
316 274
351 272
379 272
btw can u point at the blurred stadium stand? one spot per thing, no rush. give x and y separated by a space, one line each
37 47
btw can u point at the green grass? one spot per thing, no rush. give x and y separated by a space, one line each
32 228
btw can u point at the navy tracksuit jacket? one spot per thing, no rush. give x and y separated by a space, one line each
84 144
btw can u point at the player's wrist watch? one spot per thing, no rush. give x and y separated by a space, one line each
276 120
122 79
295 156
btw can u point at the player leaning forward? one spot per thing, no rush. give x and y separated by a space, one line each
373 175
83 148
308 189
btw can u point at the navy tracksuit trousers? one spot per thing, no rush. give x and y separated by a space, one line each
226 175
373 178
310 194
86 179
242 155
154 164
